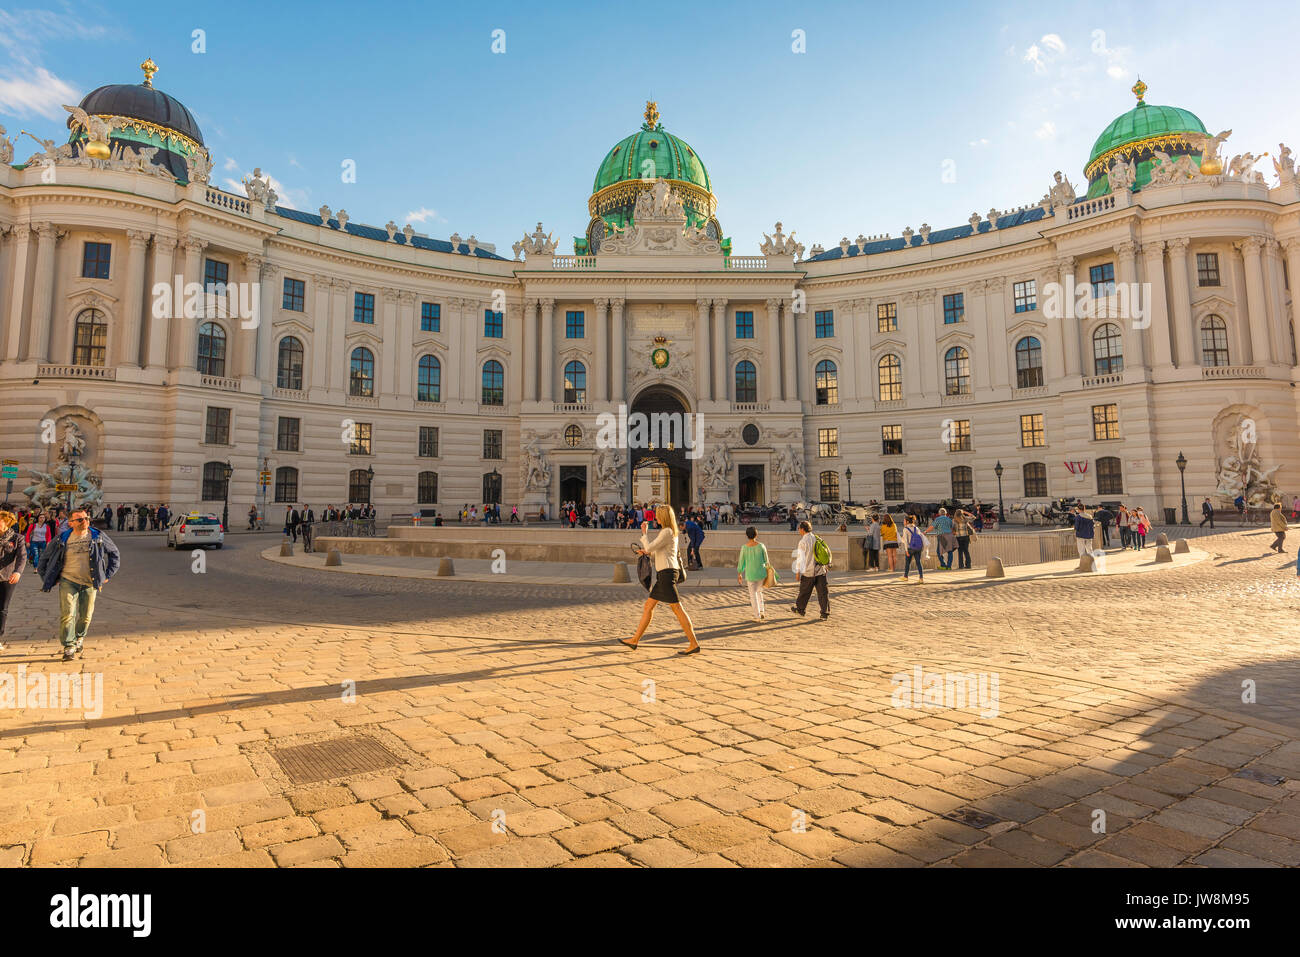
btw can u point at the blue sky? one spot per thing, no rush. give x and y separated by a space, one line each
848 137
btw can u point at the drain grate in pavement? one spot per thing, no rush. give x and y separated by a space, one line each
308 763
1252 775
972 817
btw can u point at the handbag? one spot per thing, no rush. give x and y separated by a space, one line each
770 578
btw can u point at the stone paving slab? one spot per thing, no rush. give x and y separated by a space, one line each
1120 734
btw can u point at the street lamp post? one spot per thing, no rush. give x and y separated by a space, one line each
1181 462
997 470
848 475
226 470
370 485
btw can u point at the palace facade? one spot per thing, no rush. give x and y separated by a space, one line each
182 328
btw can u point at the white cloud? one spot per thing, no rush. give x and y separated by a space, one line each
293 161
982 141
1053 42
41 93
423 214
231 164
1047 131
1116 72
1035 56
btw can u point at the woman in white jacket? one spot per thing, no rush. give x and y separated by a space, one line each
667 565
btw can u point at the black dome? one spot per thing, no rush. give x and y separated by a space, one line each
140 102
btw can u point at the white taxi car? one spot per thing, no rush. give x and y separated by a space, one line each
195 529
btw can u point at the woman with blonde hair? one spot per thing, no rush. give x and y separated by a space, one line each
667 574
13 559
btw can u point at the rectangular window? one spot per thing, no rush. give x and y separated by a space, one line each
891 440
1105 422
493 324
360 439
295 295
1103 280
1031 431
574 322
1025 295
431 317
428 441
894 485
286 435
959 437
1035 480
828 443
830 486
215 275
744 325
1207 269
824 323
218 427
887 317
954 307
94 260
363 307
492 443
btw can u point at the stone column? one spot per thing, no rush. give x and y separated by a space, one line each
1070 324
529 350
995 313
341 312
164 274
1153 272
1277 319
982 361
548 350
405 383
1180 319
185 330
619 383
38 341
600 349
931 358
389 357
471 317
452 372
1134 351
914 356
1256 302
719 353
771 346
317 375
17 278
245 331
128 339
262 368
848 332
791 360
702 363
1291 249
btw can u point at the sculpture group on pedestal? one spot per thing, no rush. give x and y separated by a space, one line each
44 492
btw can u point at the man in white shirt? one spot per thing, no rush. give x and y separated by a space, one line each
811 575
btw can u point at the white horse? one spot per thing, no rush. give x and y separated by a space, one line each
726 515
1035 512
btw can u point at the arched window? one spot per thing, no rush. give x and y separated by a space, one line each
359 486
828 388
1110 480
427 488
1107 350
1214 341
212 349
963 483
429 387
830 486
573 436
361 377
88 345
956 371
1029 363
746 381
890 369
286 484
494 383
575 383
214 481
1035 474
288 370
894 485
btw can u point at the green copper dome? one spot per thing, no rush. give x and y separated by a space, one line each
651 153
1136 135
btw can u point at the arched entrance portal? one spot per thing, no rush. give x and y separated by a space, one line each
660 462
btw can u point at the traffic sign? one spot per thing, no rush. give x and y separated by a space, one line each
9 469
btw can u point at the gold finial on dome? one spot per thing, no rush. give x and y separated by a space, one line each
1140 90
651 114
150 68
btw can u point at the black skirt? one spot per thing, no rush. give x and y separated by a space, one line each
665 586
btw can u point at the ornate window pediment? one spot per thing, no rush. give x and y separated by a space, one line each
91 299
292 327
1027 327
955 338
826 352
360 337
891 344
1213 304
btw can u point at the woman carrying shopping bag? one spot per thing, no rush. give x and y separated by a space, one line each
753 569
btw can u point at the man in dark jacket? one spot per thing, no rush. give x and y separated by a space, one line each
694 539
1083 530
1104 517
308 517
1207 513
121 518
294 521
80 562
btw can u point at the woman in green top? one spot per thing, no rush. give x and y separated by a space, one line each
751 569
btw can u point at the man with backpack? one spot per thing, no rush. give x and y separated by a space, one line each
811 558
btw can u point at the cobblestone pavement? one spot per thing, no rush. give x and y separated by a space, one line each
1122 733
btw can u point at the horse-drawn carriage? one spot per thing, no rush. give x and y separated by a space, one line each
752 513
